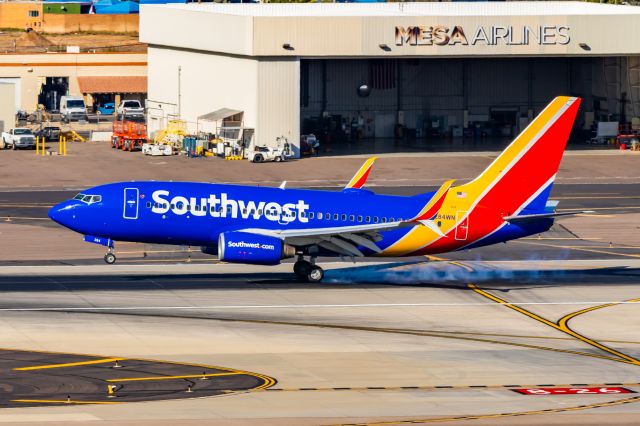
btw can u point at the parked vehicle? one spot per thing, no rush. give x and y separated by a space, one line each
20 137
129 132
49 133
278 153
130 106
72 108
107 109
309 145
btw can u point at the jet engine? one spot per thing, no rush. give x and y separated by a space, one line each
244 247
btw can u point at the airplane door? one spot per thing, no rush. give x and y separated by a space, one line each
462 230
130 203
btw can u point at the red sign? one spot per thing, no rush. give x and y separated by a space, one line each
572 391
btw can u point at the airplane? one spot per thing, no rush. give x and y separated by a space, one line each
264 225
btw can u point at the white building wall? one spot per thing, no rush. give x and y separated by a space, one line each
278 102
208 82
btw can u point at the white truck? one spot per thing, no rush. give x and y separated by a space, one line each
72 108
129 106
20 137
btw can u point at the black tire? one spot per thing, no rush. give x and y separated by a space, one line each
278 159
14 147
302 268
110 258
316 274
258 158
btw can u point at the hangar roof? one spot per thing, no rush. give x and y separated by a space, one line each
422 29
511 8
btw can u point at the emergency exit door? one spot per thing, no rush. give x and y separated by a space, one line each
462 230
130 203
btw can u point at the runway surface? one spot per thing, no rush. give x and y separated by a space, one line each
428 340
541 330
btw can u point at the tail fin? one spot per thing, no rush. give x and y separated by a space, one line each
524 172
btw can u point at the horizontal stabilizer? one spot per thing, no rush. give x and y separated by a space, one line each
534 217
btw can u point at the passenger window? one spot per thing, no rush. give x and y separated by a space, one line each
359 218
303 214
319 216
148 204
335 216
311 215
375 219
252 212
344 217
352 218
259 212
172 206
244 211
384 220
368 219
391 220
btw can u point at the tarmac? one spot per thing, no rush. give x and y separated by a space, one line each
452 339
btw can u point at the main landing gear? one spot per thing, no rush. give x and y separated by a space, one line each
110 257
308 270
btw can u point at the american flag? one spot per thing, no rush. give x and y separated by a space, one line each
382 74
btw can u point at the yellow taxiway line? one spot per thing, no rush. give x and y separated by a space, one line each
560 326
61 401
68 364
189 376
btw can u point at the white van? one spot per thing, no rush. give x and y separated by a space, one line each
72 108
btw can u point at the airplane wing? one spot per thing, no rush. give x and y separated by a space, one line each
534 217
360 178
345 240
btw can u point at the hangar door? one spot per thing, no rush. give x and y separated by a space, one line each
442 104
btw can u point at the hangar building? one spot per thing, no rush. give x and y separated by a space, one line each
434 73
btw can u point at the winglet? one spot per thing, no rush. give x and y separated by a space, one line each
360 178
429 211
283 185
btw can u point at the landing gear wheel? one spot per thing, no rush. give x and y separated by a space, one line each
110 258
315 275
302 268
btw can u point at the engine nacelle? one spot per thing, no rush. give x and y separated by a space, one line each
244 247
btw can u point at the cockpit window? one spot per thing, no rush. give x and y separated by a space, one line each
89 199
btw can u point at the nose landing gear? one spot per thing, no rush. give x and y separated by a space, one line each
308 270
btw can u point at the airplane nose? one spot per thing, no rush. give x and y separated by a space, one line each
64 213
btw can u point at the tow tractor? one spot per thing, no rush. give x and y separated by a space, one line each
129 132
281 152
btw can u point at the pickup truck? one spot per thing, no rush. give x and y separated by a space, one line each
19 137
130 107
